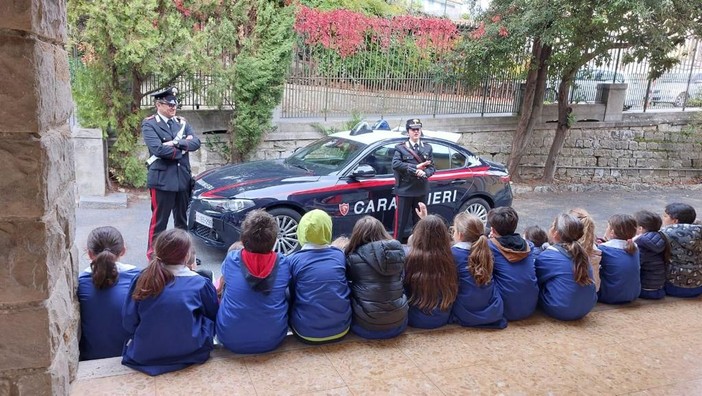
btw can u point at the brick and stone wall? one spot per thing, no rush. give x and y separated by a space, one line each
38 260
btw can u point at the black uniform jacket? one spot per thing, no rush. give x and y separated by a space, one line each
404 165
171 171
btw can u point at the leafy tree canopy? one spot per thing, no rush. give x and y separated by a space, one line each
378 8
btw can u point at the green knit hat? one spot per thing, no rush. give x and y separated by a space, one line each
315 227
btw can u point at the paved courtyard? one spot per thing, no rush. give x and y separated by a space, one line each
640 349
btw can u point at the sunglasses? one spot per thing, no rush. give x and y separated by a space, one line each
170 105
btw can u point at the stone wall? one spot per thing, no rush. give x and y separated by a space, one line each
38 264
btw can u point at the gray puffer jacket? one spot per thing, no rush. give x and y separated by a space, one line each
685 269
375 272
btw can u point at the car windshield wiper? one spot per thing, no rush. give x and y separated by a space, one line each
299 165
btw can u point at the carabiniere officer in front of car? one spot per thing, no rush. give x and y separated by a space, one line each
412 164
169 139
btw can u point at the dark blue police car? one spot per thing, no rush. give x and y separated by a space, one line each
348 175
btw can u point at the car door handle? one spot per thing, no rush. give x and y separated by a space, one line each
458 182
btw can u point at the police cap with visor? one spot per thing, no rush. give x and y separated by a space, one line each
167 95
413 123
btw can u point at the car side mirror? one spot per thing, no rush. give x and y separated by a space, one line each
363 171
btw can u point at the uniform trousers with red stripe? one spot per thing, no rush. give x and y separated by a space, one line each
405 215
163 203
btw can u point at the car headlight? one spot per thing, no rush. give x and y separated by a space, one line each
230 205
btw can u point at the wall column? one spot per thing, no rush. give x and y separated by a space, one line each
38 260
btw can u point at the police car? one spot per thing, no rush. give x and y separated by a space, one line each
346 174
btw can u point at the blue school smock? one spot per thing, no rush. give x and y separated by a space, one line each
419 319
515 276
173 330
620 279
475 306
319 294
102 334
560 296
251 320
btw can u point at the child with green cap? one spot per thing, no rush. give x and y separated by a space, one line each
319 291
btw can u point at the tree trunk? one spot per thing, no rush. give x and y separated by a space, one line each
531 107
564 111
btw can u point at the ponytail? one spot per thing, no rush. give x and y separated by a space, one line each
481 262
171 247
630 246
581 263
152 280
104 269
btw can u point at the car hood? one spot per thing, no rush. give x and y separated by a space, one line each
231 180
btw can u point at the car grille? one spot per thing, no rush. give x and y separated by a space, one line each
206 233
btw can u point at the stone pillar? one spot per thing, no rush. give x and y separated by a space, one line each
38 261
89 154
612 96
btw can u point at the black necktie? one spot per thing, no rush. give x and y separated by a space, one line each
416 147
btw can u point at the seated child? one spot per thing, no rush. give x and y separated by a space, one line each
374 267
319 293
478 303
619 269
341 242
684 277
171 311
192 264
589 242
253 316
430 281
514 272
102 289
654 253
567 291
538 237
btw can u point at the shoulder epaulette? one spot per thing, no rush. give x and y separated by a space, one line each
152 116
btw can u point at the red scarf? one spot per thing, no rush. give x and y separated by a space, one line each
259 265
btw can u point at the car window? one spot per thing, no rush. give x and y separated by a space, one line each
458 160
326 156
380 159
442 157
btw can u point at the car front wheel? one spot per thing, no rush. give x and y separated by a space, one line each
477 207
287 220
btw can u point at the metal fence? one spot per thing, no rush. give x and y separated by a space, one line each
399 81
194 92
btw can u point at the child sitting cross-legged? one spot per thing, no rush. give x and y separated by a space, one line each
171 310
253 313
478 303
319 293
514 271
567 290
430 281
102 289
654 252
619 268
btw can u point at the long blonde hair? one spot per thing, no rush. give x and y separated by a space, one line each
588 238
480 261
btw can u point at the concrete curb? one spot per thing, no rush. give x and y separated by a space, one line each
109 201
522 189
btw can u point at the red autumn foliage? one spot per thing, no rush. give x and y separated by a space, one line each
479 32
503 32
346 32
185 11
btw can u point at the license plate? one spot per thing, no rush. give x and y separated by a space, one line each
203 219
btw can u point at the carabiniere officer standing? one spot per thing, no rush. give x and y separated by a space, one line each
412 164
170 139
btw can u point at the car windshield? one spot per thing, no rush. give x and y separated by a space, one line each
326 156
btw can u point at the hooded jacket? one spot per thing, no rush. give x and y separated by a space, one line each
514 275
653 266
375 272
685 270
253 313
